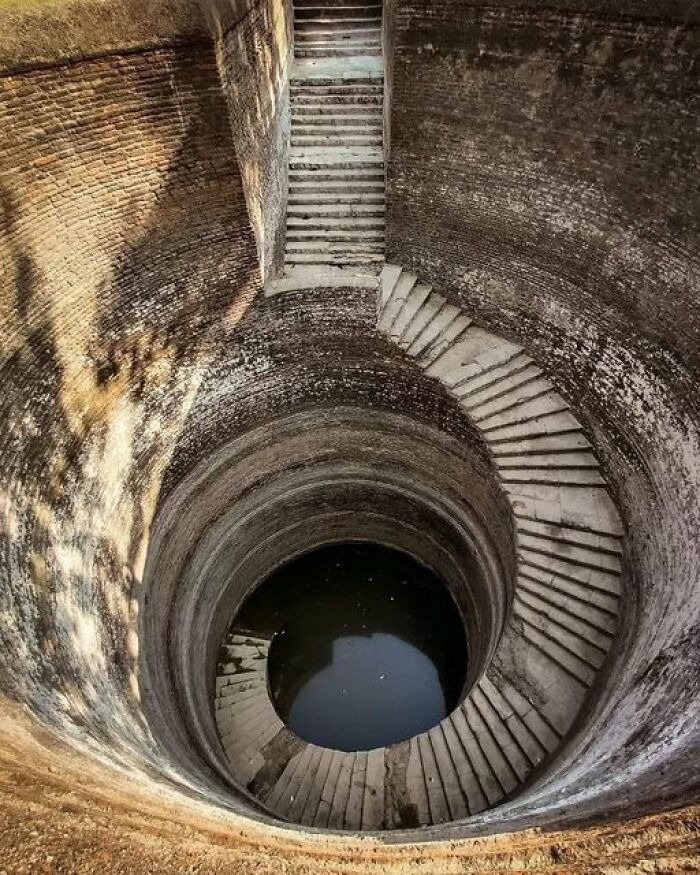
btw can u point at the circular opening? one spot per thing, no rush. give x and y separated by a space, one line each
367 647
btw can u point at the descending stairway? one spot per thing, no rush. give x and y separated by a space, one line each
245 717
561 624
335 214
568 530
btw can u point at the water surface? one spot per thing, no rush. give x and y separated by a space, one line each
368 647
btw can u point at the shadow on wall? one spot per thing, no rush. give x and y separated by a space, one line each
127 250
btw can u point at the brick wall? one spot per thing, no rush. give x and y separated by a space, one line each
125 246
254 43
542 160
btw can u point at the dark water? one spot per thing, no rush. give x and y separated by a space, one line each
368 648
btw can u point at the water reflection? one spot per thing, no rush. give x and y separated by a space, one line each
367 649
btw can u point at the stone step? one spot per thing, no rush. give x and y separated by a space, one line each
531 388
596 618
337 104
469 783
437 799
242 732
303 4
422 319
228 696
305 198
370 36
575 624
552 445
336 236
441 322
336 37
316 182
448 775
396 300
334 11
477 354
344 19
247 737
242 678
575 537
570 653
353 811
313 800
335 140
238 661
568 552
504 380
545 734
388 279
232 680
501 734
234 693
324 246
338 113
526 740
557 423
581 593
567 566
491 749
576 508
328 790
554 475
309 91
231 697
280 789
419 294
338 259
343 258
335 211
432 355
338 159
339 803
559 692
240 636
416 787
572 459
479 378
486 777
337 51
522 406
331 223
319 85
580 507
302 795
372 174
330 132
369 117
286 791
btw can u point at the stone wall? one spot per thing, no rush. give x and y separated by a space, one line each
254 51
125 249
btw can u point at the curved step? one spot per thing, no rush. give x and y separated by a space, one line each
568 529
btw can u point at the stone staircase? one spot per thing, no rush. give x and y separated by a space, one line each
246 719
568 529
337 28
335 213
561 624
